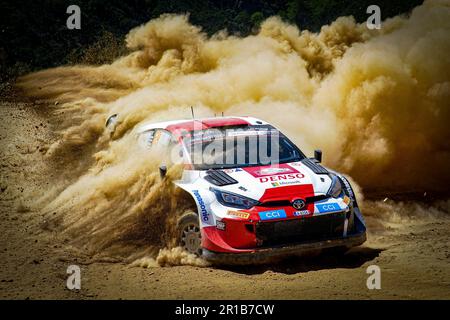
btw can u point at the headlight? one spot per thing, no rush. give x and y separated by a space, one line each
336 187
233 200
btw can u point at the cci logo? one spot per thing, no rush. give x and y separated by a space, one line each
272 214
328 207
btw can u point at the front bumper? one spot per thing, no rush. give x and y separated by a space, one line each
265 255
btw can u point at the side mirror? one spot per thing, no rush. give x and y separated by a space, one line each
162 171
111 122
318 155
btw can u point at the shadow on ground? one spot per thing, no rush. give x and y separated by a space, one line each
353 258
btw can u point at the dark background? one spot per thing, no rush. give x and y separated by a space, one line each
33 34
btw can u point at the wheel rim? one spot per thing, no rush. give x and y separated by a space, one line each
191 239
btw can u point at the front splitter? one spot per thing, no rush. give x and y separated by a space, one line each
265 255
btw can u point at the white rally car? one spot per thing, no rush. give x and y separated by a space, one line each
254 199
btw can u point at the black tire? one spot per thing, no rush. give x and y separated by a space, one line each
189 235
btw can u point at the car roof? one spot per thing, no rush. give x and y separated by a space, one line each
200 124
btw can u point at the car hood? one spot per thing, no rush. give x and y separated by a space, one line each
286 181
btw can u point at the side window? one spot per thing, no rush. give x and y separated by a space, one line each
162 138
156 138
146 138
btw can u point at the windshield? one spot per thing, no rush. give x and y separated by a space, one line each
239 146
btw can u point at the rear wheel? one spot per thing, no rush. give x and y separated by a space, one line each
190 238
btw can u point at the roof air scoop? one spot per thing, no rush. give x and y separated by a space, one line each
219 178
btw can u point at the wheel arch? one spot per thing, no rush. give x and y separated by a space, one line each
202 199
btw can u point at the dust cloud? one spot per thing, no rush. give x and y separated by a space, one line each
375 101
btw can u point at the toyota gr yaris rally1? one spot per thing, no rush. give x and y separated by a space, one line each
255 195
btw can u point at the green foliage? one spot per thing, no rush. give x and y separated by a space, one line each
292 8
257 18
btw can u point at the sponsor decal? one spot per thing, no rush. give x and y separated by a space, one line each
220 225
201 204
272 214
301 213
232 170
285 183
282 177
328 207
239 214
346 200
209 135
270 170
242 188
347 185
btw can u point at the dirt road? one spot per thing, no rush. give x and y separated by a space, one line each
414 256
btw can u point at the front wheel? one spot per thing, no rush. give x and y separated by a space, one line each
190 238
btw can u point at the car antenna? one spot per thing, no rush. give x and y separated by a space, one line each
192 111
222 114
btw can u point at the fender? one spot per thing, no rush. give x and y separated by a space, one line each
349 191
348 188
203 199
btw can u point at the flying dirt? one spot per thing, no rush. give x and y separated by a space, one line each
375 101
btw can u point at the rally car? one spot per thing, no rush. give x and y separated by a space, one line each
254 200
